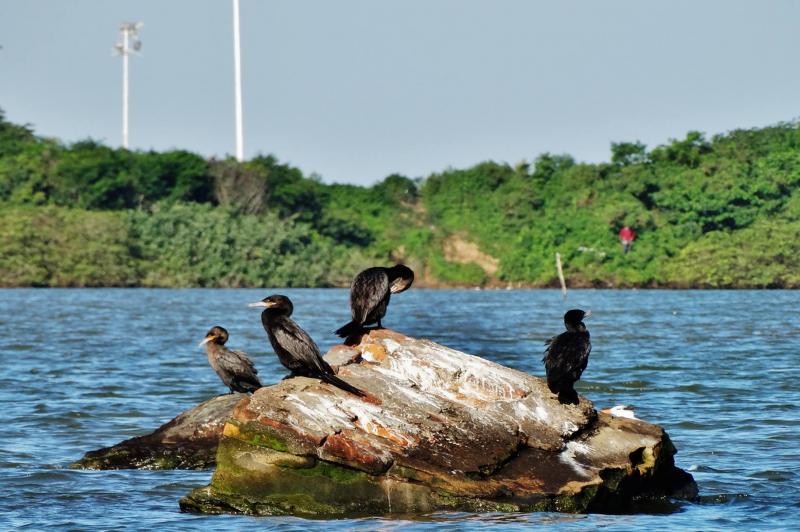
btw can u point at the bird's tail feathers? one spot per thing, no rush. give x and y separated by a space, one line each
564 390
339 383
249 386
348 330
568 397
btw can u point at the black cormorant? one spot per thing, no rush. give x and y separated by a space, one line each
234 367
370 293
566 356
294 347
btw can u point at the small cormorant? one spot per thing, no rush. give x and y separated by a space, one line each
294 347
234 367
370 293
566 356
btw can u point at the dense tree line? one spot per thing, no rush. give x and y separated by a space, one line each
715 212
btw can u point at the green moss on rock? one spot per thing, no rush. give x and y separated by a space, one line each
335 472
267 440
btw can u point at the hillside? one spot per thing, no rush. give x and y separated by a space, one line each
718 212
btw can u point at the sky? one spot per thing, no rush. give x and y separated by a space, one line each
355 90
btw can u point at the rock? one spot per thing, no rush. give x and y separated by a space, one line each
440 430
187 442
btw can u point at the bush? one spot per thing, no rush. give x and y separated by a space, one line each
200 245
55 246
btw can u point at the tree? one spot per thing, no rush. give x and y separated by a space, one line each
627 153
547 165
239 185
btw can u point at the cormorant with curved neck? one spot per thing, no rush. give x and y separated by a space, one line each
370 293
294 347
566 356
234 367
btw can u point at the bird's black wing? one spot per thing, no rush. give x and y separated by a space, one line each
240 369
551 351
368 290
566 356
548 343
585 357
244 359
305 354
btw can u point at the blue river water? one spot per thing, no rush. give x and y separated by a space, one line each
86 368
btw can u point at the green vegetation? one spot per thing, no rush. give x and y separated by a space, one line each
719 212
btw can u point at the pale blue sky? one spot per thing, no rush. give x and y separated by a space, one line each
356 90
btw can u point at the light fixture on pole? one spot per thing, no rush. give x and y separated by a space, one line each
237 66
129 44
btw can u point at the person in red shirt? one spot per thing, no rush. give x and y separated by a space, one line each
626 236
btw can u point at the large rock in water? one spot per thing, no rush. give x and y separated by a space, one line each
441 430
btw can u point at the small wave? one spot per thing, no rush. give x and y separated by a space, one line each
612 387
102 394
697 388
634 384
653 367
703 469
18 347
74 414
724 498
772 474
690 425
46 475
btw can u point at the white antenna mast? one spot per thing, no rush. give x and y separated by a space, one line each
237 63
129 43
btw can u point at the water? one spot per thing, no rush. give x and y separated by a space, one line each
81 369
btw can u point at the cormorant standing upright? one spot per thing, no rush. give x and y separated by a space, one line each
566 356
370 293
294 347
234 367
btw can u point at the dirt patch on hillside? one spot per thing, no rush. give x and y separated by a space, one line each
457 249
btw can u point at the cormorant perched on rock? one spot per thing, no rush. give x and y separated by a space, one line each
369 295
234 367
294 347
566 356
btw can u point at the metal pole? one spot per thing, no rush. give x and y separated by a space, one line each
237 61
128 44
125 50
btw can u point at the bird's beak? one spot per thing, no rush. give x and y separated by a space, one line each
206 340
260 304
400 285
588 314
